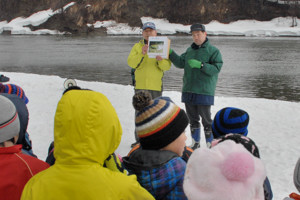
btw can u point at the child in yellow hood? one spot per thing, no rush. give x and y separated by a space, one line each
86 131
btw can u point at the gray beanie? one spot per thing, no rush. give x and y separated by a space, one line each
9 120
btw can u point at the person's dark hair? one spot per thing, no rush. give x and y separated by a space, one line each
71 88
12 140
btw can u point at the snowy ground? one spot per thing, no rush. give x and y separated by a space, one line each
274 125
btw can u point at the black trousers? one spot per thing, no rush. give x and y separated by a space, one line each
194 112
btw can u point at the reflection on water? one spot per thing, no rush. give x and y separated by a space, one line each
253 67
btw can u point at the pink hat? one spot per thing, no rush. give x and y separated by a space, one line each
227 171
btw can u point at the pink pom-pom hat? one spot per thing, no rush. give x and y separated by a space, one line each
227 171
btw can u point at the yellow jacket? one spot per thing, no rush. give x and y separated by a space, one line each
149 72
86 131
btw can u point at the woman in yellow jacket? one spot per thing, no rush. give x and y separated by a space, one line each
86 131
149 72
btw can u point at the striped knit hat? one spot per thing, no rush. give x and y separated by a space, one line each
230 120
13 89
158 122
9 120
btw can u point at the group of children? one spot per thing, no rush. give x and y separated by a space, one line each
87 132
17 162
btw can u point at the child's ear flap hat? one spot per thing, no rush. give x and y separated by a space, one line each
227 171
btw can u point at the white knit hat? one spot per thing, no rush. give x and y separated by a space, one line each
9 120
227 171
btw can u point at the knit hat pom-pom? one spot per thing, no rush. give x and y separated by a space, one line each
238 166
141 100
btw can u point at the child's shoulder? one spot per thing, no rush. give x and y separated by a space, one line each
177 162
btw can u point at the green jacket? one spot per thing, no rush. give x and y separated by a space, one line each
149 72
199 81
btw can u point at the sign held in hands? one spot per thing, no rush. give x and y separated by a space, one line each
159 46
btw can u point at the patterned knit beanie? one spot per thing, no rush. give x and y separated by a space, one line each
230 120
158 122
13 89
248 143
9 120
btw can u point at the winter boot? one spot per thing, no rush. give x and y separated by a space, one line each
195 132
208 136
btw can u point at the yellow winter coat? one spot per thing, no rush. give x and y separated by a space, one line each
86 131
149 72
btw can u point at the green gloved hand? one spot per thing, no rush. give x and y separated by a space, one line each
195 63
170 51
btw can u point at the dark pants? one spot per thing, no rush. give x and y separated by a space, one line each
154 95
194 112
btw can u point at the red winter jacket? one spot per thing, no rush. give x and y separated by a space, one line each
295 196
16 169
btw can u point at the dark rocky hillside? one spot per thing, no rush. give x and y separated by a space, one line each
75 18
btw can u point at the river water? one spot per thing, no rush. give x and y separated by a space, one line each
266 67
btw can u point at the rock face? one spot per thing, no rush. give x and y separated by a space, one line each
76 18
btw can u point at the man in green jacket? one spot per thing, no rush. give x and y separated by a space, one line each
148 72
202 63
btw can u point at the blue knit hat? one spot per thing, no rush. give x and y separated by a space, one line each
13 89
230 120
